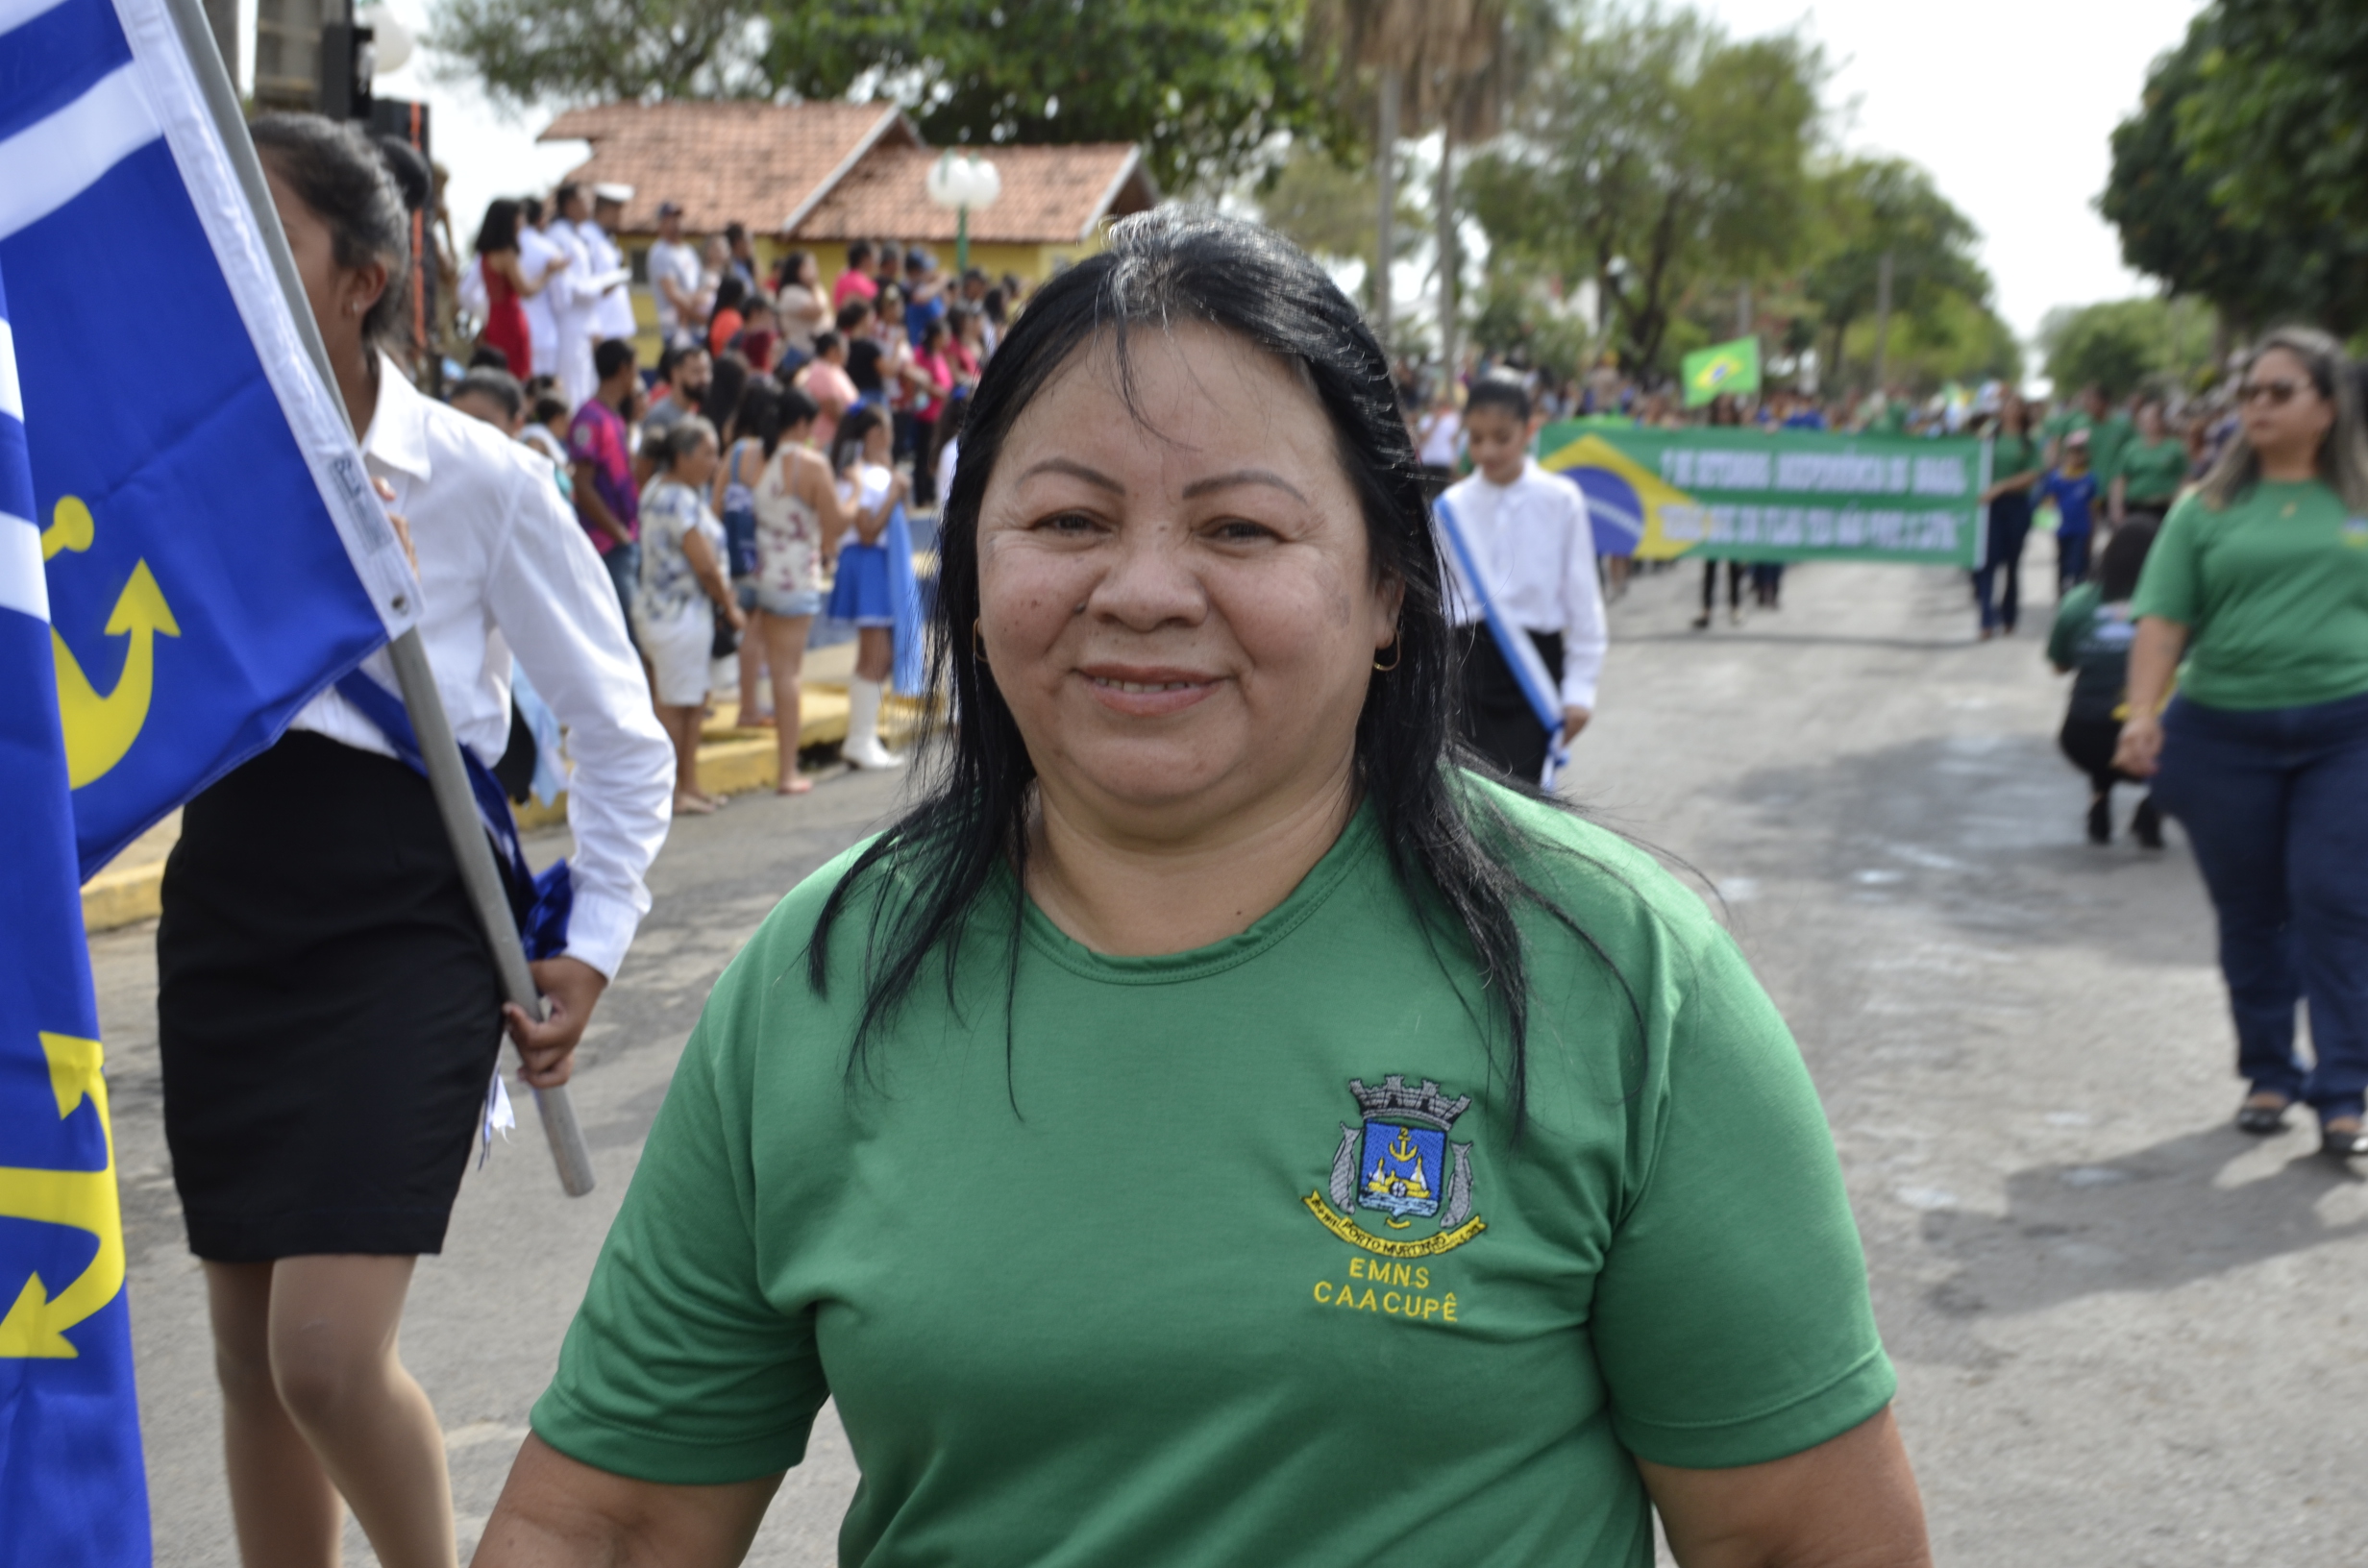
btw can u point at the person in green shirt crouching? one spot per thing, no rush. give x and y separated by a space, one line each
2260 579
1216 1124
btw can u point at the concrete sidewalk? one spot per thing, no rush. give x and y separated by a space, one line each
732 760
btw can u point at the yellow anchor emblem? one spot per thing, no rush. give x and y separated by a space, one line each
36 1326
99 730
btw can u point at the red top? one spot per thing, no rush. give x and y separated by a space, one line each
722 330
505 323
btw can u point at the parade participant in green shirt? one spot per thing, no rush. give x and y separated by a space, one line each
2152 468
2260 579
1213 1126
2110 433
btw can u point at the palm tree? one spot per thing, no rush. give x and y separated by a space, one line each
1444 62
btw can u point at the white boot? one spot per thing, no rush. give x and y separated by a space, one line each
863 748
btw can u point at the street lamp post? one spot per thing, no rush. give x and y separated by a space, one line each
962 180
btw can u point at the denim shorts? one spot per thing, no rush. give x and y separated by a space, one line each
789 605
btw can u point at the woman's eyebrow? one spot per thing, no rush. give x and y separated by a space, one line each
1076 470
1243 475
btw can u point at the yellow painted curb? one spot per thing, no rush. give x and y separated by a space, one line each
114 898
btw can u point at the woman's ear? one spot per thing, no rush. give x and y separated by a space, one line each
1389 598
361 287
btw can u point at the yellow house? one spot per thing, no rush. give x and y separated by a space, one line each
819 176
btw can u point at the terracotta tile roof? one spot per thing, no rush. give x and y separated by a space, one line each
1051 196
759 163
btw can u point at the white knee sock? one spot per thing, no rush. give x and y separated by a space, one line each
863 697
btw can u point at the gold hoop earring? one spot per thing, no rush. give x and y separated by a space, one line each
1397 652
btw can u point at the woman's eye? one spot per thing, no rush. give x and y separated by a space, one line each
1068 523
1240 530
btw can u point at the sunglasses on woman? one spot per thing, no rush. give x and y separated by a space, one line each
2279 392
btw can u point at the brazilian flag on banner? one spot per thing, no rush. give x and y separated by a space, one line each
1722 367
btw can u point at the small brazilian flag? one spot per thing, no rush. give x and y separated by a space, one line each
1722 367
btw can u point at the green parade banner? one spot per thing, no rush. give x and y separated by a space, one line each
1722 367
1746 495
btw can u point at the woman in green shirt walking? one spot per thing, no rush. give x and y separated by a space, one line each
2260 580
1215 1125
2152 468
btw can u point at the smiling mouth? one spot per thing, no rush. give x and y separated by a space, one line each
1134 688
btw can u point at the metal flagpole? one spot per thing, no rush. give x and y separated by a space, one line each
447 777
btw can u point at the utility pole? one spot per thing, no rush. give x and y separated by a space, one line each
1882 315
1743 309
1385 232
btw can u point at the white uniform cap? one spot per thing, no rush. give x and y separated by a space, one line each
619 194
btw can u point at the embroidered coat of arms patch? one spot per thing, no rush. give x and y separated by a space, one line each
1400 1163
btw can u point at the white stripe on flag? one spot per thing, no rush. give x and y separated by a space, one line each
12 399
51 161
23 587
16 13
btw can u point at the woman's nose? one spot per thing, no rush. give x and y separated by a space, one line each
1152 582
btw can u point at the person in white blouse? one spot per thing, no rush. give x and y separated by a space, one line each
538 255
576 312
328 1014
1529 533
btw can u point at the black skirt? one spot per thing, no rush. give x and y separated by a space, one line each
1496 717
328 1011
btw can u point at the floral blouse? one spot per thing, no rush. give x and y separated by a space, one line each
671 512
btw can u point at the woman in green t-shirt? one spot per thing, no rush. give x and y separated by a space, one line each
2260 579
2152 467
1215 1125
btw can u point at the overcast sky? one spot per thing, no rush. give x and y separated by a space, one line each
2009 104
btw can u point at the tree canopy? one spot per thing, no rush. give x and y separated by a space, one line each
1651 150
1669 168
2125 345
2243 178
1209 86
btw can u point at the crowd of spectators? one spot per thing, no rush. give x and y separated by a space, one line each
691 475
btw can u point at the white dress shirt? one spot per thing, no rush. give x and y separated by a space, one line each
536 251
1533 542
614 316
574 328
505 569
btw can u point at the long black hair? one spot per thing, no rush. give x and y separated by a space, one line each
1451 849
725 385
500 230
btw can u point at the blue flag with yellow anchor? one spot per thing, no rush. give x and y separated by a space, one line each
70 1477
214 554
189 549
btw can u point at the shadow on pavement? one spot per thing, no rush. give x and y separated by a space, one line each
2154 1220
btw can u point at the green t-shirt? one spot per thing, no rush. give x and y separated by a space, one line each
2274 592
2011 455
1231 1256
2152 471
2109 439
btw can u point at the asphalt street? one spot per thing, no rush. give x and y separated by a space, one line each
2125 1332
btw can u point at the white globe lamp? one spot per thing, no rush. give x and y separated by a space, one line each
962 181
